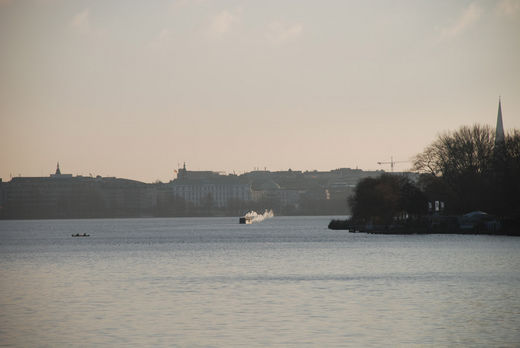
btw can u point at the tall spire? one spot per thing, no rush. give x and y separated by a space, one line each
499 135
58 172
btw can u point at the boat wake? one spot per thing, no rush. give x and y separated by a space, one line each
253 216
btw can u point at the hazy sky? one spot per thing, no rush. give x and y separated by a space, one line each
132 88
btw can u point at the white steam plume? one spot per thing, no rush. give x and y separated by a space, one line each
253 216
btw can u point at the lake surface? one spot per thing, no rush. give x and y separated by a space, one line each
202 282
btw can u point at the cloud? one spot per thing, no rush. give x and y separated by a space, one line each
508 7
223 22
81 22
469 17
161 40
279 33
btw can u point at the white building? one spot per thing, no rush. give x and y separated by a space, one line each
197 187
219 193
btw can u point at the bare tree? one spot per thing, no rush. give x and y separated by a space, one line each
468 165
467 149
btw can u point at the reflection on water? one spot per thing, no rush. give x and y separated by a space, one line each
284 282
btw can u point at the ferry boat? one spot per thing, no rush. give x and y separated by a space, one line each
245 220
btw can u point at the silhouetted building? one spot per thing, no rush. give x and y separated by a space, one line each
64 196
499 135
499 151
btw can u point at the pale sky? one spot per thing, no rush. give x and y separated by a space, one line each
133 88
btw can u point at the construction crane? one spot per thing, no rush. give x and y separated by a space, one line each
392 163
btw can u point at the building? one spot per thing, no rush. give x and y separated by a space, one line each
66 196
499 151
499 135
202 188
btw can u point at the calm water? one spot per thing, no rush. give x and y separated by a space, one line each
282 282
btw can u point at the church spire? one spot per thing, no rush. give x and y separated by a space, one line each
499 135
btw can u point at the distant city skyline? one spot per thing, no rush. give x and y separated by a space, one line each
56 172
134 89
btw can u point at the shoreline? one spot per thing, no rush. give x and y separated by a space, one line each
437 225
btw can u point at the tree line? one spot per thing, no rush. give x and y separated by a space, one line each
464 169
